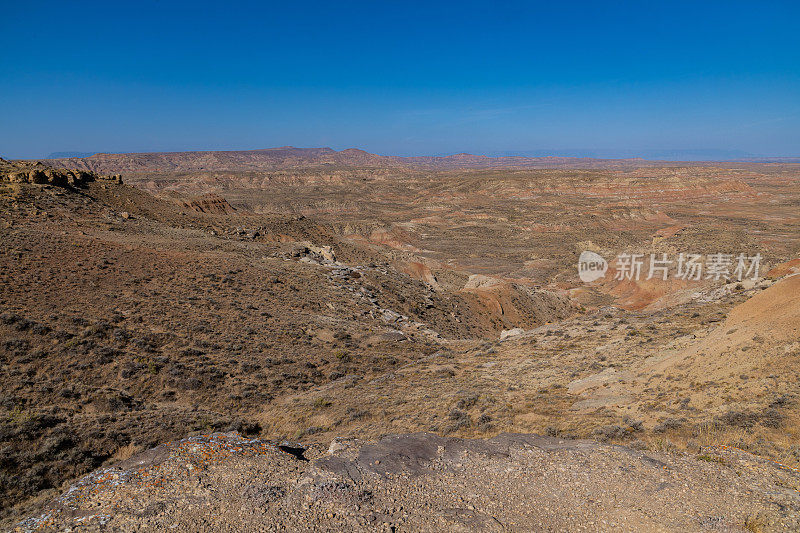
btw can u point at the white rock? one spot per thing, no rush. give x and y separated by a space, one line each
506 333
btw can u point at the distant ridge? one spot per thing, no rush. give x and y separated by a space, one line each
650 155
61 155
287 157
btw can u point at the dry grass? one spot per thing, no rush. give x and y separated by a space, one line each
125 452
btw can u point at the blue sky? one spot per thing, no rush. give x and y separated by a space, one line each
402 78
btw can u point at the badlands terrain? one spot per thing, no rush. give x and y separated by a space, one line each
305 339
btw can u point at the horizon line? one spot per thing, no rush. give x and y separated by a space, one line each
656 154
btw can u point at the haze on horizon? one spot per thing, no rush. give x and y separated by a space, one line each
718 80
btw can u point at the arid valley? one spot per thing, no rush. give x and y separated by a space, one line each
319 323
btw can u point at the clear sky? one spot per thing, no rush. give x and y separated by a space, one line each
401 78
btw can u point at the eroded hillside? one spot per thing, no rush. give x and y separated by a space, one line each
128 320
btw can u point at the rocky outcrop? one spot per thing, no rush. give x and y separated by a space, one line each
424 482
42 174
512 305
308 252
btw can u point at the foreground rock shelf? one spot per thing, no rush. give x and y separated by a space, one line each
423 482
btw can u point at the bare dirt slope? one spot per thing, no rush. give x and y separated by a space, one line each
756 337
